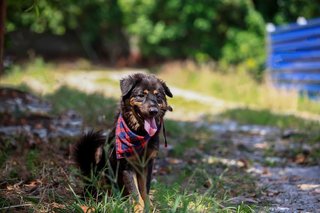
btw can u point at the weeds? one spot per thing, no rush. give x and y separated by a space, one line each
173 198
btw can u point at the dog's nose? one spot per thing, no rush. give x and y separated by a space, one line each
153 111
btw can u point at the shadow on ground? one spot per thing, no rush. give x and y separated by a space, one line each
36 137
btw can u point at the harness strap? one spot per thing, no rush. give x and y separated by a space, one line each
164 134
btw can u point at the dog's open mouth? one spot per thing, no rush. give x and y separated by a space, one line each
150 126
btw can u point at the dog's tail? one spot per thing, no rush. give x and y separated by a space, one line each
89 152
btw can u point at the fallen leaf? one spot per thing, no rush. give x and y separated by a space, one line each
87 209
300 159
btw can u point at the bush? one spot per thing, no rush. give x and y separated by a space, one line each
230 31
202 30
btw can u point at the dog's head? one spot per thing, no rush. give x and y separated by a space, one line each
144 97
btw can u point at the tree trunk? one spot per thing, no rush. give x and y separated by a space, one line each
2 31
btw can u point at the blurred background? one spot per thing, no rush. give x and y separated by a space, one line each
124 32
61 64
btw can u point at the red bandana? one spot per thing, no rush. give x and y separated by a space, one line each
127 142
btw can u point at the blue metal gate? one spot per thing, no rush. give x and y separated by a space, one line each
294 56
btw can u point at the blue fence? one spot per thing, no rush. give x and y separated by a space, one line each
294 56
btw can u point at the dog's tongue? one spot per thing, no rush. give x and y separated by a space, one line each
150 126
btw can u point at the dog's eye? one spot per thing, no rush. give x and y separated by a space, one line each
159 96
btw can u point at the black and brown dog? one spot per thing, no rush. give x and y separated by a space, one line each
134 140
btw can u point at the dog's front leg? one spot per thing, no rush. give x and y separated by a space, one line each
149 174
131 184
142 183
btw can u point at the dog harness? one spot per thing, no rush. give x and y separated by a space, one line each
127 142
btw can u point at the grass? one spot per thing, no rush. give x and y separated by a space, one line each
34 179
173 199
191 109
48 180
235 86
193 197
95 108
38 75
50 183
266 117
43 179
31 161
167 199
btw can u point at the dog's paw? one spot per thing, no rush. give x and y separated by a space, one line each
138 208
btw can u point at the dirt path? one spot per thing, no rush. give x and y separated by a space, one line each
287 184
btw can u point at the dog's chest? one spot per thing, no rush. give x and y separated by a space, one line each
129 145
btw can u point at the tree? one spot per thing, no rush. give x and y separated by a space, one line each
2 31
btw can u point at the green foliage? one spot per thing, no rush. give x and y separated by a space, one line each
32 161
231 31
282 11
46 16
200 30
57 16
246 46
90 21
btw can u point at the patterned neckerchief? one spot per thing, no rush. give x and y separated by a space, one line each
127 142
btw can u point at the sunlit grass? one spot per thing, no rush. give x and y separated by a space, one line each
305 104
235 86
189 106
265 117
238 87
47 79
95 108
38 75
192 197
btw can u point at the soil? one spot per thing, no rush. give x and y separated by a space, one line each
288 183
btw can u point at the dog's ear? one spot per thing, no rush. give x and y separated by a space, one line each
166 89
126 85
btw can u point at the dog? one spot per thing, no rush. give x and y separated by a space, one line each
133 142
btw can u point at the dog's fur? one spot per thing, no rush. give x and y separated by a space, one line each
143 97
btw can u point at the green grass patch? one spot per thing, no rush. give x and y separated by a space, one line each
95 108
185 135
236 86
32 161
305 104
173 198
189 106
107 81
192 197
37 74
41 78
5 150
265 117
